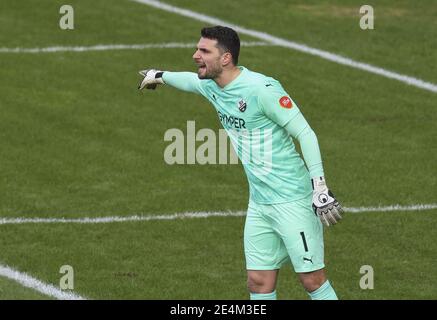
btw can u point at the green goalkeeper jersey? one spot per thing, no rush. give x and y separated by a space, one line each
253 110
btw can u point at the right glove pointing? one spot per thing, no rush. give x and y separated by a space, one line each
151 79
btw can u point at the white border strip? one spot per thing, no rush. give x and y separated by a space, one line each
33 283
294 45
194 215
105 47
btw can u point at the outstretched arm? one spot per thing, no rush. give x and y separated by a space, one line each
186 81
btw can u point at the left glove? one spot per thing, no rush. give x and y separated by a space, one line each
151 79
325 206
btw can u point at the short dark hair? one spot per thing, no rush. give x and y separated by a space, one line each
227 40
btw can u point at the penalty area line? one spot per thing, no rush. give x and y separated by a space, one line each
194 215
30 282
106 47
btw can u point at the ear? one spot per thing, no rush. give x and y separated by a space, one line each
226 59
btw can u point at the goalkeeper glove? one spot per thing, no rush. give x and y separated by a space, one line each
151 79
325 206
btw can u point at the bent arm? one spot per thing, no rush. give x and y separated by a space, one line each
281 109
186 81
299 129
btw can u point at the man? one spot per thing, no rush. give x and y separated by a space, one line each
288 202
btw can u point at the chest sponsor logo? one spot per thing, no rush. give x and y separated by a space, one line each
231 121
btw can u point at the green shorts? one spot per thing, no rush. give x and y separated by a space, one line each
277 233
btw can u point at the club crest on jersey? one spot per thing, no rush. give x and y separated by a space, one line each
242 105
285 102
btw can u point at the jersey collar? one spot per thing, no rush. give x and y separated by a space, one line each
236 80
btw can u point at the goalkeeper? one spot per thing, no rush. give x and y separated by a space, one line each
288 201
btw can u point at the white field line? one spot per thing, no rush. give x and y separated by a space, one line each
396 207
50 290
33 283
193 215
105 47
294 45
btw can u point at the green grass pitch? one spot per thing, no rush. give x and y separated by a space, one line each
77 140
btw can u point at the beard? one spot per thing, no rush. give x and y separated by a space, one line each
211 72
